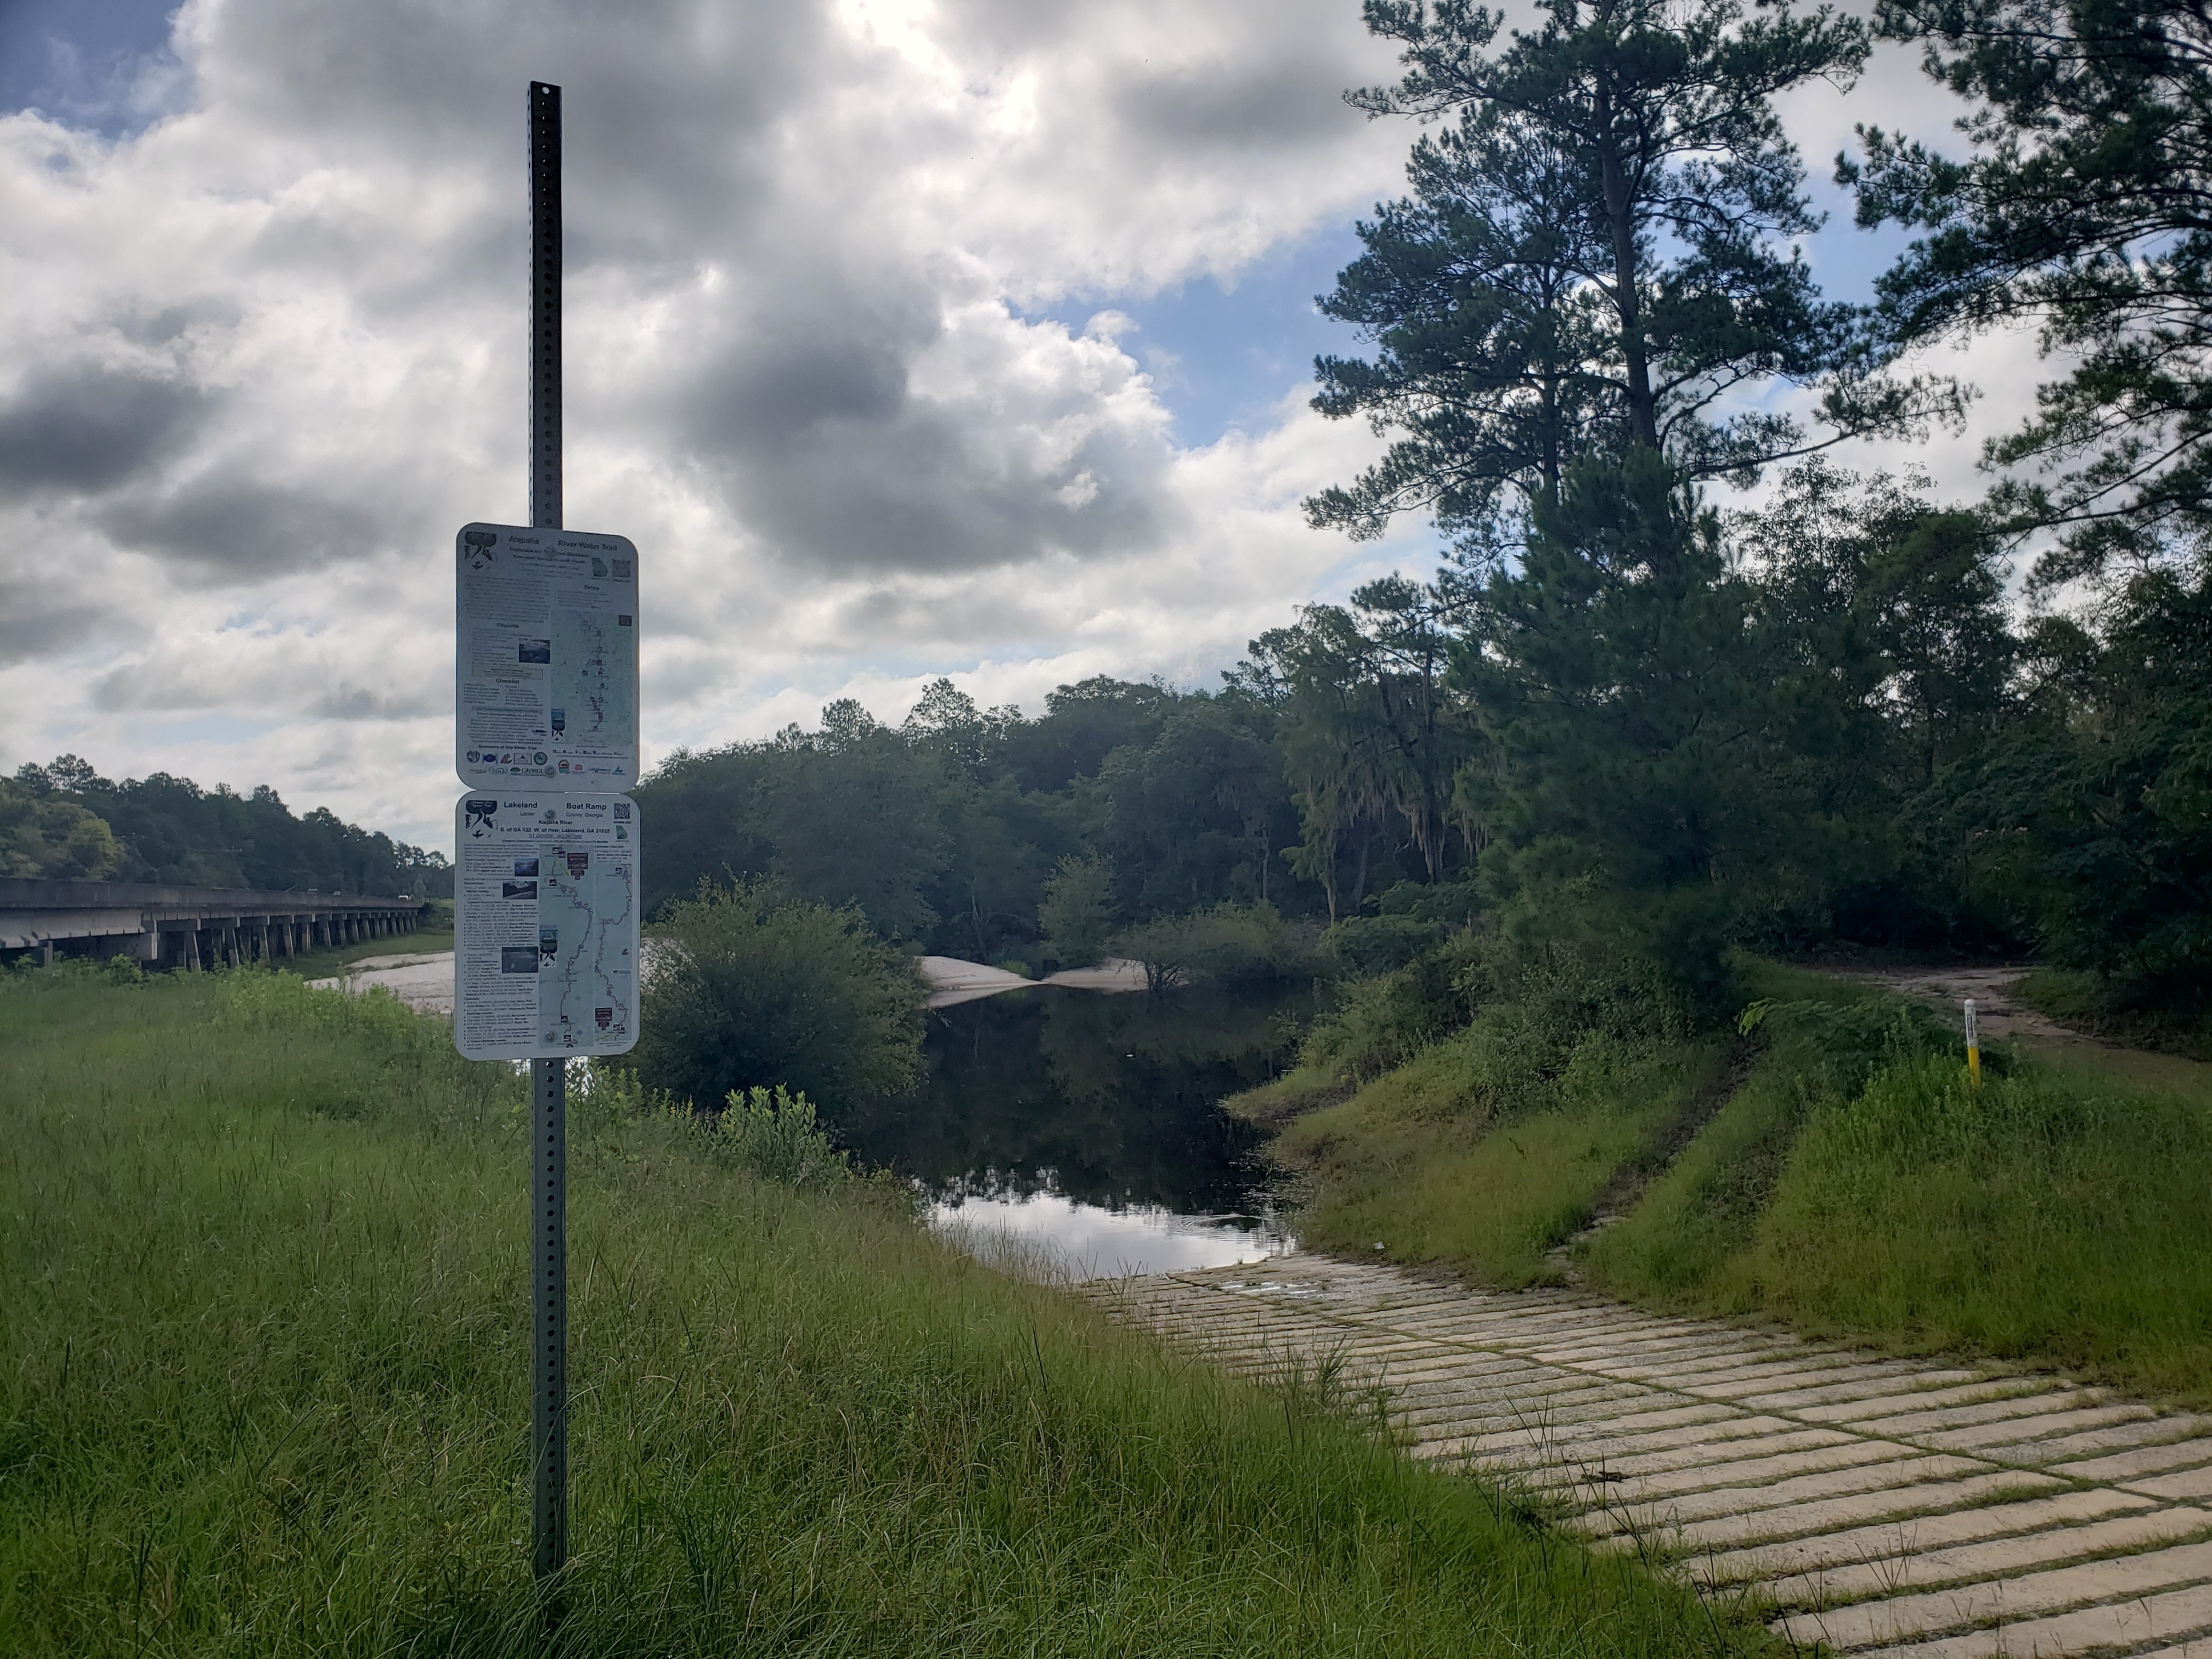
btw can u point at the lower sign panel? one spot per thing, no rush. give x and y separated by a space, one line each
545 956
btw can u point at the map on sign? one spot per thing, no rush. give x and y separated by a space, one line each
545 659
546 948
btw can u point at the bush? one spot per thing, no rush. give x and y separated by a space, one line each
1556 994
747 989
1381 1022
1367 945
1077 912
773 1134
1228 942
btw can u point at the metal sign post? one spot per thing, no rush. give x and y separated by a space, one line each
546 847
548 1079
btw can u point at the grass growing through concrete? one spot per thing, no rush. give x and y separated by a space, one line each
1478 1155
265 1392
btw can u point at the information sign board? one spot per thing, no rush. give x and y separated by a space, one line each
545 950
545 659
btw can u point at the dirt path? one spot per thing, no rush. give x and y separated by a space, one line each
1880 1505
1998 1011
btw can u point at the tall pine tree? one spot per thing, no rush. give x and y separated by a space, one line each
1595 257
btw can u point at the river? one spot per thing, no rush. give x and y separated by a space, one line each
1079 1120
1091 1125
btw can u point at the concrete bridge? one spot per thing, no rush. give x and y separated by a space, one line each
189 927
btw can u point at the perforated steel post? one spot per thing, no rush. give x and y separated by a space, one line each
549 1139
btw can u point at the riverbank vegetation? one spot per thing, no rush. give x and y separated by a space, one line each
265 1391
746 988
1860 1184
1830 1165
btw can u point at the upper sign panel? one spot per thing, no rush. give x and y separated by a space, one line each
545 659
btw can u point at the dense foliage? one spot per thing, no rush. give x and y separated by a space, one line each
2083 206
983 833
163 828
746 989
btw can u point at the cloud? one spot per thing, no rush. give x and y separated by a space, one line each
79 428
269 352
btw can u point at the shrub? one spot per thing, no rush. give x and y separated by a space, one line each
745 988
1228 942
773 1134
1367 945
1381 1022
1077 911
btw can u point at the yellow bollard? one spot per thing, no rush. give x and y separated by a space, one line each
1973 1047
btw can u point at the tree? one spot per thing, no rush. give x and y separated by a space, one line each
170 830
1077 915
2083 207
1618 674
1894 661
1898 607
53 837
749 989
1194 817
1592 259
1368 730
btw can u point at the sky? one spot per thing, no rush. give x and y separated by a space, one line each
903 338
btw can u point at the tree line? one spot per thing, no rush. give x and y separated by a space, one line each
64 819
1617 720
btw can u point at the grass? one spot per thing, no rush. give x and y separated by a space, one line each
2079 1000
1854 1186
1858 1186
1301 1090
265 1392
1470 1157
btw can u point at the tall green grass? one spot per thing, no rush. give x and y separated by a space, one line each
265 1392
2060 1214
1487 1149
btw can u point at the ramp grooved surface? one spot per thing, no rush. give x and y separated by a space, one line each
1878 1506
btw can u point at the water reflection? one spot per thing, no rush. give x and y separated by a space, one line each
1092 1124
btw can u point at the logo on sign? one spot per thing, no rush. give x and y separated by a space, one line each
605 1017
578 863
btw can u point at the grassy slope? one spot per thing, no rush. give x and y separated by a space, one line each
1463 1159
2061 1216
2078 1000
1854 1186
263 1391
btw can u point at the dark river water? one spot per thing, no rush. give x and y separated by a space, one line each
1089 1124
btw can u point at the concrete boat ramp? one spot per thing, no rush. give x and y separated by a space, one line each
425 981
1881 1506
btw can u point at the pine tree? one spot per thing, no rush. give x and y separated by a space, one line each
1594 257
2084 207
